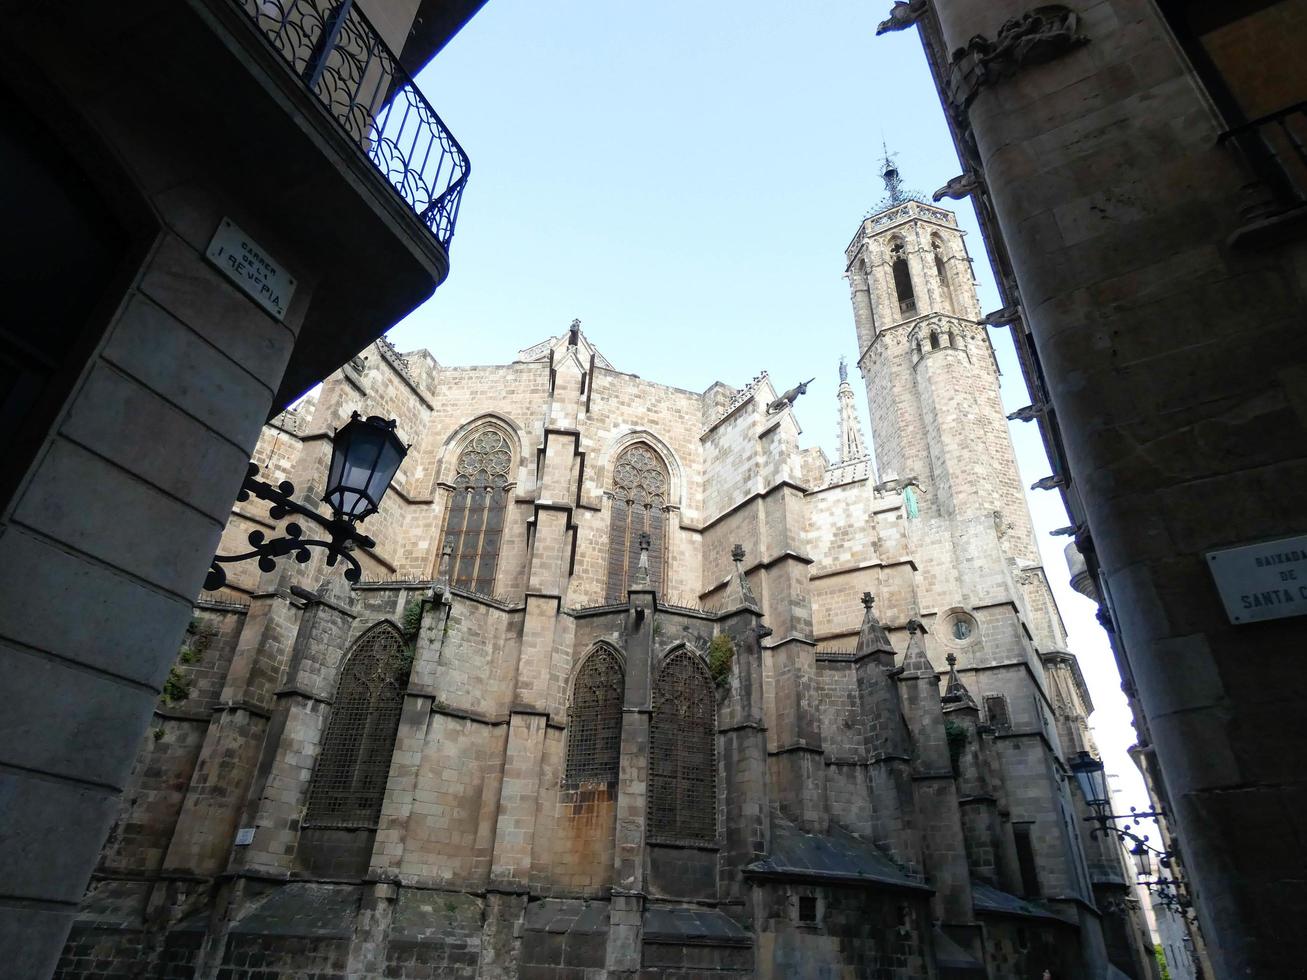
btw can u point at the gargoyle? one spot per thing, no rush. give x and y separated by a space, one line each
957 188
787 399
901 16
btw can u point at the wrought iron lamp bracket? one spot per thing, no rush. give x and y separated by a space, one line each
342 535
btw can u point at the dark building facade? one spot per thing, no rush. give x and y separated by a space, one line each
209 205
1139 172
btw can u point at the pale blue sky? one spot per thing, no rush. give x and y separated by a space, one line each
684 177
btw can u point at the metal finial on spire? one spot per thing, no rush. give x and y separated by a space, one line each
890 175
844 369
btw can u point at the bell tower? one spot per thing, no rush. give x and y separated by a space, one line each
931 376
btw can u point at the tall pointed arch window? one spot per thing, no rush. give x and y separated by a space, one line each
639 501
594 719
902 278
682 751
349 779
474 523
941 270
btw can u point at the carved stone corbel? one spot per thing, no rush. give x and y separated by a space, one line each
1037 36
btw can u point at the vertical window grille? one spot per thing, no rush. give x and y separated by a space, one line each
682 751
639 498
474 524
594 720
349 780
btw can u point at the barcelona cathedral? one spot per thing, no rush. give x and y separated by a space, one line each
634 685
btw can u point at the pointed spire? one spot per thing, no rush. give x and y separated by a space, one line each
872 638
915 661
956 693
642 570
738 593
851 445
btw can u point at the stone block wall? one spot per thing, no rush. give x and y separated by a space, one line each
867 933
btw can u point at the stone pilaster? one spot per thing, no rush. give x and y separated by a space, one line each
220 785
942 840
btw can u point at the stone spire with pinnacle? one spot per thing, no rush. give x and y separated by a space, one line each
851 445
956 693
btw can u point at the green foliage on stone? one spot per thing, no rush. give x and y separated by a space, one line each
411 621
957 739
196 641
198 636
1161 961
410 624
175 687
721 654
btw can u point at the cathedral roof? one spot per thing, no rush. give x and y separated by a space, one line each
837 856
573 336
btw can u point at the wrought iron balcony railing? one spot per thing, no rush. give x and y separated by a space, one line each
342 59
1275 147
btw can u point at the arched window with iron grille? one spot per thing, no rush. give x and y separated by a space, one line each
594 719
683 751
474 522
349 780
639 507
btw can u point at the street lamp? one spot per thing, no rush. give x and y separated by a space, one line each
1092 778
1143 859
365 456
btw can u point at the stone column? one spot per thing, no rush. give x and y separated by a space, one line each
743 740
626 911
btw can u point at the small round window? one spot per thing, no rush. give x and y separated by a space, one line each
960 627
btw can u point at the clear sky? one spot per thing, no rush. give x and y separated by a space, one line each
683 177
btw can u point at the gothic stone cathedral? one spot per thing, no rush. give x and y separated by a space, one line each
633 686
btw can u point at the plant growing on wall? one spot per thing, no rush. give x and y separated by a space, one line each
721 654
957 739
198 636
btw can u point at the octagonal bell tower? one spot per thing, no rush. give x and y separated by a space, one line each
930 372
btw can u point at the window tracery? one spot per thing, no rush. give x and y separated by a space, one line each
639 495
474 522
594 720
349 778
682 751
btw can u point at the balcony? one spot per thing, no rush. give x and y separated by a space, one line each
1274 149
341 59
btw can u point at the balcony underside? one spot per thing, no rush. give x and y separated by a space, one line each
191 85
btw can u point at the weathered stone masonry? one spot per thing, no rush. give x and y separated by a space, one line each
715 738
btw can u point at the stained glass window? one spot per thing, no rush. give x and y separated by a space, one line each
349 779
474 523
594 719
682 751
639 501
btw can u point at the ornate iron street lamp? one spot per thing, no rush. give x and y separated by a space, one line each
365 456
1092 777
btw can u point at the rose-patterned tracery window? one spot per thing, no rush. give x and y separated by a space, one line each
474 523
639 500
